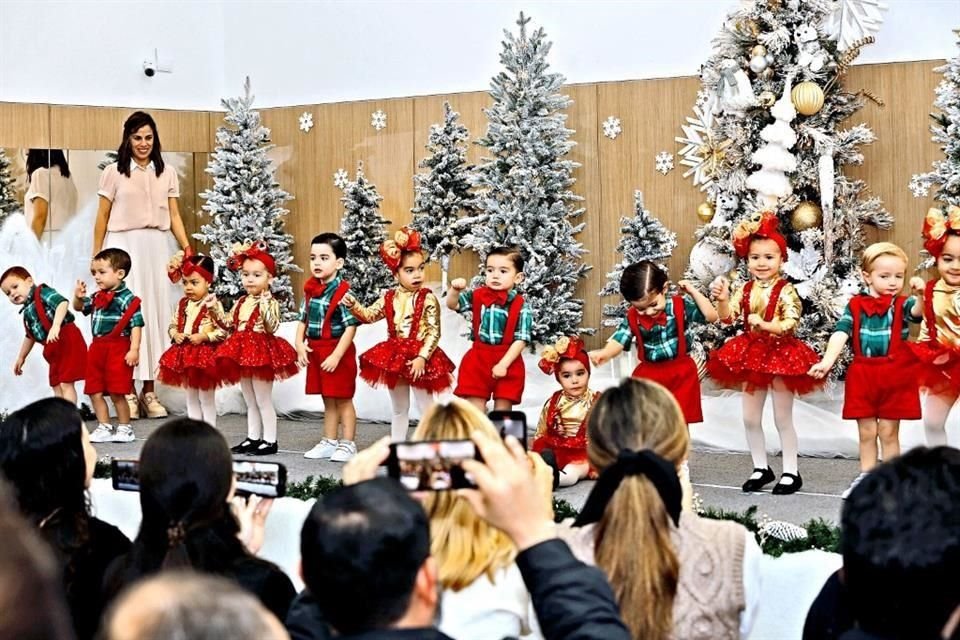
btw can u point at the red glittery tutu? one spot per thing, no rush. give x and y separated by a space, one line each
188 365
939 367
752 360
567 450
385 364
248 354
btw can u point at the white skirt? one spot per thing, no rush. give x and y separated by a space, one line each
150 250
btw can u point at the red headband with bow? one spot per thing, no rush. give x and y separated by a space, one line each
564 349
404 240
254 251
763 225
180 267
937 225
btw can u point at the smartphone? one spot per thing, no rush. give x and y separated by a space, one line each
510 423
431 465
267 479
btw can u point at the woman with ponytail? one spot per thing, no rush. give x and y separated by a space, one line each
186 487
634 527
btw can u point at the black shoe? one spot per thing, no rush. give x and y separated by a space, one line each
551 460
263 448
246 446
86 414
756 484
786 489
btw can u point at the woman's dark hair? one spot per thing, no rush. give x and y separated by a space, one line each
134 123
37 158
640 279
41 455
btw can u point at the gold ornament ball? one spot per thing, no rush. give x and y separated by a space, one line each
807 215
767 99
807 97
758 50
767 74
705 212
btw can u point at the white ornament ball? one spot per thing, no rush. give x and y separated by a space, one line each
758 64
769 58
706 262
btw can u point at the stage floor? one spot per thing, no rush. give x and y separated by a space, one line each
716 476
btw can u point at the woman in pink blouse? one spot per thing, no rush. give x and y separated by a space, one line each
138 212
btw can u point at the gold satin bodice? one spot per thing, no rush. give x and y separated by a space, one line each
403 301
208 327
571 414
946 311
789 307
267 322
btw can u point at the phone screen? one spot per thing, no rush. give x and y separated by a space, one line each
267 479
125 475
431 465
510 423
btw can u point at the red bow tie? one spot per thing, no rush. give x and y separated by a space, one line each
648 322
486 297
314 288
876 306
102 299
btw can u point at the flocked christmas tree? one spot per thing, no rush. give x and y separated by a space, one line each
642 237
524 187
8 199
442 195
363 230
246 203
768 52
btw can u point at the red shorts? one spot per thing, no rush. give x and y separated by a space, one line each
882 388
342 382
681 378
107 371
67 356
476 374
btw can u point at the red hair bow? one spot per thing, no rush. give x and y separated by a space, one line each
761 225
937 225
564 349
254 251
405 240
180 267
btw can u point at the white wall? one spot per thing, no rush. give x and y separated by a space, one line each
325 51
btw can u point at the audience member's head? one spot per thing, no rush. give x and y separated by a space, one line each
190 606
32 604
365 551
464 545
639 417
901 545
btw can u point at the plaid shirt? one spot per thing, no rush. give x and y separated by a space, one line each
875 331
104 320
31 318
660 343
493 320
318 311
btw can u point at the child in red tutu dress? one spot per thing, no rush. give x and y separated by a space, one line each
938 346
766 356
190 362
410 358
561 436
252 355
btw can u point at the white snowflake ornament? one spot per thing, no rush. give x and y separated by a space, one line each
612 128
851 20
378 120
306 121
784 531
918 186
341 178
664 162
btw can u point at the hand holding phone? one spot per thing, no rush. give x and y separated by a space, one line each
431 465
510 423
266 479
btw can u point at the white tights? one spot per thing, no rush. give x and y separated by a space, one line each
753 402
261 416
201 405
400 397
935 412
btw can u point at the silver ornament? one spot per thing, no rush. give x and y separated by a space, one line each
769 58
758 64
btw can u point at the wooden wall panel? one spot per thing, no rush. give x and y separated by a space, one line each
24 125
74 127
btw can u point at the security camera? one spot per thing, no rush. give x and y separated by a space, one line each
149 68
152 67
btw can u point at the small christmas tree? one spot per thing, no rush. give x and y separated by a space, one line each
442 194
246 203
363 230
642 237
8 200
524 197
775 160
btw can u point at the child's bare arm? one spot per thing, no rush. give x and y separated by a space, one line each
703 302
609 351
457 285
516 348
54 334
834 348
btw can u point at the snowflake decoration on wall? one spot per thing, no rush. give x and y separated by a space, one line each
341 179
664 162
378 120
612 128
851 20
702 152
918 186
306 121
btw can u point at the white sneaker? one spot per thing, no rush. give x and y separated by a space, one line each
123 434
103 433
853 485
346 449
324 449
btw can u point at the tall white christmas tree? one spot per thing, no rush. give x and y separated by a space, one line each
8 199
363 230
642 237
524 186
768 52
246 203
442 194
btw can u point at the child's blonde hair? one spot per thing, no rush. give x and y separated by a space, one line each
877 249
464 545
